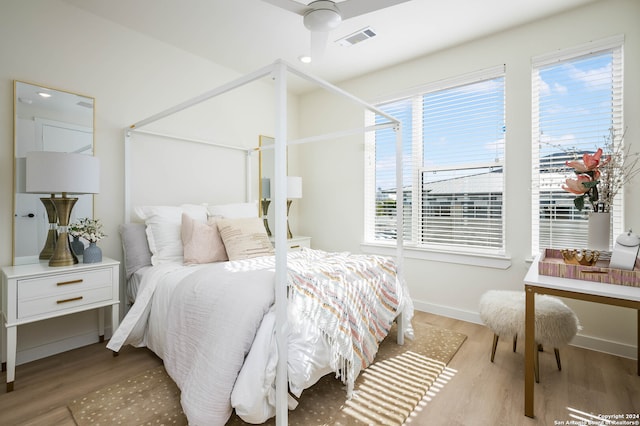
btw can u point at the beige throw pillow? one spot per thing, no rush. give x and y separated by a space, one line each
244 238
201 241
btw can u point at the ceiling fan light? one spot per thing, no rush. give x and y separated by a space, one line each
322 19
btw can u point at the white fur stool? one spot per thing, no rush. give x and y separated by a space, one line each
504 311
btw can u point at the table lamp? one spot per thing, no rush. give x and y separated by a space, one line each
62 173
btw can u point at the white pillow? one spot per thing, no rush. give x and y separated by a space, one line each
234 210
163 229
244 238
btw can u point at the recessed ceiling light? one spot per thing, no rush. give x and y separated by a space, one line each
44 94
305 59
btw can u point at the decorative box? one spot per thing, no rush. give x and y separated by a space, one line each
551 263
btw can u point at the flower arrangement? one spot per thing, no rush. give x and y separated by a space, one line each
89 229
75 229
598 179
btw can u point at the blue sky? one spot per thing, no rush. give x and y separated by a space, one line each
455 135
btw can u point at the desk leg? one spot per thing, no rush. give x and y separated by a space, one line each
529 351
11 357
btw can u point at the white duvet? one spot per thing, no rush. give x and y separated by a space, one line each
217 321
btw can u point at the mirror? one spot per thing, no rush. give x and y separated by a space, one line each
45 119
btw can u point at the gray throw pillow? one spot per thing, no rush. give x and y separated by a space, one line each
135 247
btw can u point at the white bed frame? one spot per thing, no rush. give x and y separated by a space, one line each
278 71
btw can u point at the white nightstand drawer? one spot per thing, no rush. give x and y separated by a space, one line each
61 284
60 302
296 243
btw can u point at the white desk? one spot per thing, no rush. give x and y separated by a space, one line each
609 294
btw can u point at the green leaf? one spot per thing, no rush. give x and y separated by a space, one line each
579 202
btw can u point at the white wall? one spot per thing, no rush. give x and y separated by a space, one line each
131 77
334 173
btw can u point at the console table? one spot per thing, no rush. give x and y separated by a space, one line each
590 291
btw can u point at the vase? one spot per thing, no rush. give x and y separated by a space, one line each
599 231
92 254
77 246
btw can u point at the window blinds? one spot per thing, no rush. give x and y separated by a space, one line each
576 102
453 141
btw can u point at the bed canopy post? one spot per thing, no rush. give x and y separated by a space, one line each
249 176
399 223
280 201
127 176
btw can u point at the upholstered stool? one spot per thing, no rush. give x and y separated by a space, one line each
504 311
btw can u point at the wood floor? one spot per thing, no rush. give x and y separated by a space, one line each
476 392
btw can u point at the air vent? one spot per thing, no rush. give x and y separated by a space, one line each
360 35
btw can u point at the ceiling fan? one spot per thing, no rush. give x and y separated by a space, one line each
322 16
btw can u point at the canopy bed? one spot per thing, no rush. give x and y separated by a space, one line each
281 287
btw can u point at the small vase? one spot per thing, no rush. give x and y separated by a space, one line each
77 246
599 231
92 254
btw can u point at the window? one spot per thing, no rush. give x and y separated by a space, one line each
453 160
577 102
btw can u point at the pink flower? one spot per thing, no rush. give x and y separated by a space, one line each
590 162
576 186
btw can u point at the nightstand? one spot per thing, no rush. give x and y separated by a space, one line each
296 243
38 292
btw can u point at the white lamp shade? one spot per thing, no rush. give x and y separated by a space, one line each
294 187
56 172
266 188
21 175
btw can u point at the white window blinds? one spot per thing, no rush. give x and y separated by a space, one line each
453 139
577 102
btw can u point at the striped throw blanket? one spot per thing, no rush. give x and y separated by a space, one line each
353 300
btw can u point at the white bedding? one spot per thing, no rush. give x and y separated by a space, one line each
223 327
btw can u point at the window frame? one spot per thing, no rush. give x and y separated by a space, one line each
614 45
453 252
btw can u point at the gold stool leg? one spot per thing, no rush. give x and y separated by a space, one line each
495 345
536 367
557 352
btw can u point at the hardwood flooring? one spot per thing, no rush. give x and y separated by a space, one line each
476 391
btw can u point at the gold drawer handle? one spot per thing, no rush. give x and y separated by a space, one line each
73 299
297 246
70 282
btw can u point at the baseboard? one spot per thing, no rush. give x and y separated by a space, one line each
42 351
582 341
